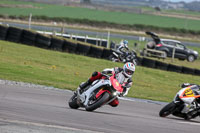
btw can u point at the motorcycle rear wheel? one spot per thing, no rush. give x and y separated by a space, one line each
98 102
73 102
167 110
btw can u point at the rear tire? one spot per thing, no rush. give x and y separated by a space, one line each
99 102
73 102
167 110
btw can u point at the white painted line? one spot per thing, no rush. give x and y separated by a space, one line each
142 100
48 126
190 123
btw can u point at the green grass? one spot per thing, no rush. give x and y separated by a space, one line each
63 70
171 11
98 15
183 12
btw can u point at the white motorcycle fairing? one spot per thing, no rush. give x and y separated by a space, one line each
187 96
84 97
186 99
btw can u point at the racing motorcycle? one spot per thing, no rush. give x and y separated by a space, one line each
116 56
185 104
99 93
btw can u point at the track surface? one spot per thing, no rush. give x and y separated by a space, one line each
46 110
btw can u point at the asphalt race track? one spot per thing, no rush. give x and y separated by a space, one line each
26 109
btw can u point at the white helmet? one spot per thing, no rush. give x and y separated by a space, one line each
129 69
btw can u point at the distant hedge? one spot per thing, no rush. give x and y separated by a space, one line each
138 27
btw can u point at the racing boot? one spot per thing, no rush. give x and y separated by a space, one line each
84 85
95 76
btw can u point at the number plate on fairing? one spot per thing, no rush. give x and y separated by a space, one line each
189 92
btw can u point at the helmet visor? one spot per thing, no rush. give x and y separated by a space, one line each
129 72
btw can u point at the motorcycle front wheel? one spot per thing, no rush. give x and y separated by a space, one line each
113 58
73 102
167 110
94 104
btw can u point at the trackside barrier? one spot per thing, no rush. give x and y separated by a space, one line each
168 67
3 32
174 68
43 41
148 63
28 37
56 44
161 65
32 38
83 48
14 34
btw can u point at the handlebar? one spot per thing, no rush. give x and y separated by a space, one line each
107 76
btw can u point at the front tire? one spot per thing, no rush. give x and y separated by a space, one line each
73 102
190 58
167 110
112 58
98 102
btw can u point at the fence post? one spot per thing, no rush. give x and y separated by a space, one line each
173 53
29 22
86 38
108 39
63 29
54 31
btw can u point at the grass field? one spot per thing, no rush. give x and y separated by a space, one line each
67 71
172 11
84 13
183 12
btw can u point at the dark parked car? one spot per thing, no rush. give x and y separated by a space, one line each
167 46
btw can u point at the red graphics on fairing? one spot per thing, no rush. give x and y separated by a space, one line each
101 92
116 85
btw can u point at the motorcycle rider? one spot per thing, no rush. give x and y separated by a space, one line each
127 70
123 48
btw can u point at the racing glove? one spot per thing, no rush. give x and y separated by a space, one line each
125 91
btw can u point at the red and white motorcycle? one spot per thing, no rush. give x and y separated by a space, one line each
101 92
185 104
